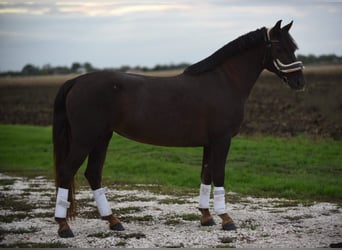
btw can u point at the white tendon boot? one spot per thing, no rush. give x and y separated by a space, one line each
219 200
62 203
203 205
220 209
204 196
101 201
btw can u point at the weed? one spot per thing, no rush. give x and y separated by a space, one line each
35 245
43 215
286 203
180 245
234 198
227 239
90 214
121 244
8 203
19 230
190 217
249 224
172 222
129 210
134 198
172 201
85 202
101 235
334 211
298 217
7 182
275 211
224 246
145 218
126 236
13 217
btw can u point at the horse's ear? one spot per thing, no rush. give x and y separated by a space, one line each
287 27
275 31
277 26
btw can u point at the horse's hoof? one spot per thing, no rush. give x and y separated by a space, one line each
229 226
117 227
208 223
66 233
336 245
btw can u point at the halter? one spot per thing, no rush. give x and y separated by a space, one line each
282 68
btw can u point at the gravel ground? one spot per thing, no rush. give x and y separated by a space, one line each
152 220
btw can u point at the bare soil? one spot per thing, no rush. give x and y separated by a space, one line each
157 220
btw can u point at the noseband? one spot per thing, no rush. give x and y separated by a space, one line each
280 67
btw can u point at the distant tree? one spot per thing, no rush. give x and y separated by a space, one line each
30 69
124 68
46 69
88 67
322 59
61 70
75 67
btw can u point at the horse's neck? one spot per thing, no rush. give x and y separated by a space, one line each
242 71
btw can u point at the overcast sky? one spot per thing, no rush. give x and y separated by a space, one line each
145 33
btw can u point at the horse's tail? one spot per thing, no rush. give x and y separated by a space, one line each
61 139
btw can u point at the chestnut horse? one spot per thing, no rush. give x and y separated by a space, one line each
201 107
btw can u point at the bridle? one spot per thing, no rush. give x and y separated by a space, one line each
280 67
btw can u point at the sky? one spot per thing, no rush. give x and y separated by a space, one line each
145 33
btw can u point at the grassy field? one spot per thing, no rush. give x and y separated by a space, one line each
297 168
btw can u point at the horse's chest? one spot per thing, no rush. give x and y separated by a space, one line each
226 121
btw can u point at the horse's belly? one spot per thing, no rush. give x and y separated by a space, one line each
167 133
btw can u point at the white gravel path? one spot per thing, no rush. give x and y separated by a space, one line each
153 220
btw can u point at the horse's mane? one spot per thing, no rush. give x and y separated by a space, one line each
232 48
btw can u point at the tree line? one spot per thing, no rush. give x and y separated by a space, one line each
80 68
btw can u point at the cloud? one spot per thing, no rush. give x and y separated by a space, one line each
88 8
24 8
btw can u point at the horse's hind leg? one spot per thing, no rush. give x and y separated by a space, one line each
205 189
66 173
93 174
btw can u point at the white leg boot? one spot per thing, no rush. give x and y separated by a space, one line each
203 205
101 201
62 203
204 196
220 209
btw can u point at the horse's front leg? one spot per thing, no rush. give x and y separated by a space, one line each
219 151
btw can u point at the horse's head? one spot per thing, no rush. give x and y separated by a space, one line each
280 56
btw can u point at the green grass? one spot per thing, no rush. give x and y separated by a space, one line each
297 168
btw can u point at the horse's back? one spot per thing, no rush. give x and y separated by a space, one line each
170 111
